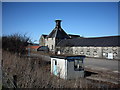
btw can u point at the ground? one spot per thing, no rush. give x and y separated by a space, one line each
34 72
107 68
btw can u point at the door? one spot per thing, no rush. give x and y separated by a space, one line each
55 67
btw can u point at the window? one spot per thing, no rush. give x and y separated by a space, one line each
114 48
76 52
88 52
114 54
52 47
55 62
78 65
81 52
95 53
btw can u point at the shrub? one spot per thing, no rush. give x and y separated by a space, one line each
15 43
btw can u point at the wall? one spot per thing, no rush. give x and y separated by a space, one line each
42 41
49 42
71 73
65 50
61 67
65 69
88 51
100 52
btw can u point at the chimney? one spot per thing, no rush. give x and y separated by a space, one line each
58 23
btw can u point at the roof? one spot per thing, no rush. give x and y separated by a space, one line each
44 35
58 32
97 41
74 35
68 57
33 47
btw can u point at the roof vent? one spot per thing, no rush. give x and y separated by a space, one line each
58 23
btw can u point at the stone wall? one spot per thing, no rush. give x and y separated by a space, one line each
100 52
42 41
50 42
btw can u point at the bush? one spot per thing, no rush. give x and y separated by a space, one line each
15 43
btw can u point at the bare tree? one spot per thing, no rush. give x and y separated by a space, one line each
15 43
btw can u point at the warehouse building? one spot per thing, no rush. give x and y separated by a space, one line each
60 42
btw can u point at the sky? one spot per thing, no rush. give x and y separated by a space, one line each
88 19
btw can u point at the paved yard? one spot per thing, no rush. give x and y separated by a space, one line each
92 63
101 64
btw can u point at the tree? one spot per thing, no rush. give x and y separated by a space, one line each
15 43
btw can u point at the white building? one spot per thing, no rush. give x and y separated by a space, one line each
68 67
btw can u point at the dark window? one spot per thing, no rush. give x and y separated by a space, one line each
52 47
78 65
55 62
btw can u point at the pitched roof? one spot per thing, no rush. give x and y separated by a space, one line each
44 35
58 32
73 36
97 41
33 47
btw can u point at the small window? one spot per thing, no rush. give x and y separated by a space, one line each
95 53
78 65
55 62
76 52
52 47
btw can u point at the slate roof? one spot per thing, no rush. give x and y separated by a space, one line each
44 35
97 41
58 32
68 57
74 35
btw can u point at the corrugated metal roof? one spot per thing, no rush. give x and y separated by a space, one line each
97 41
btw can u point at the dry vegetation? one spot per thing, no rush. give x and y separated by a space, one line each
24 72
35 73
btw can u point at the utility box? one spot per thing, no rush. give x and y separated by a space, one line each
68 67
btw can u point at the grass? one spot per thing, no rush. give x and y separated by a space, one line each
0 86
35 73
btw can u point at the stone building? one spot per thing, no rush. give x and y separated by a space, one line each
54 37
59 41
42 40
102 47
